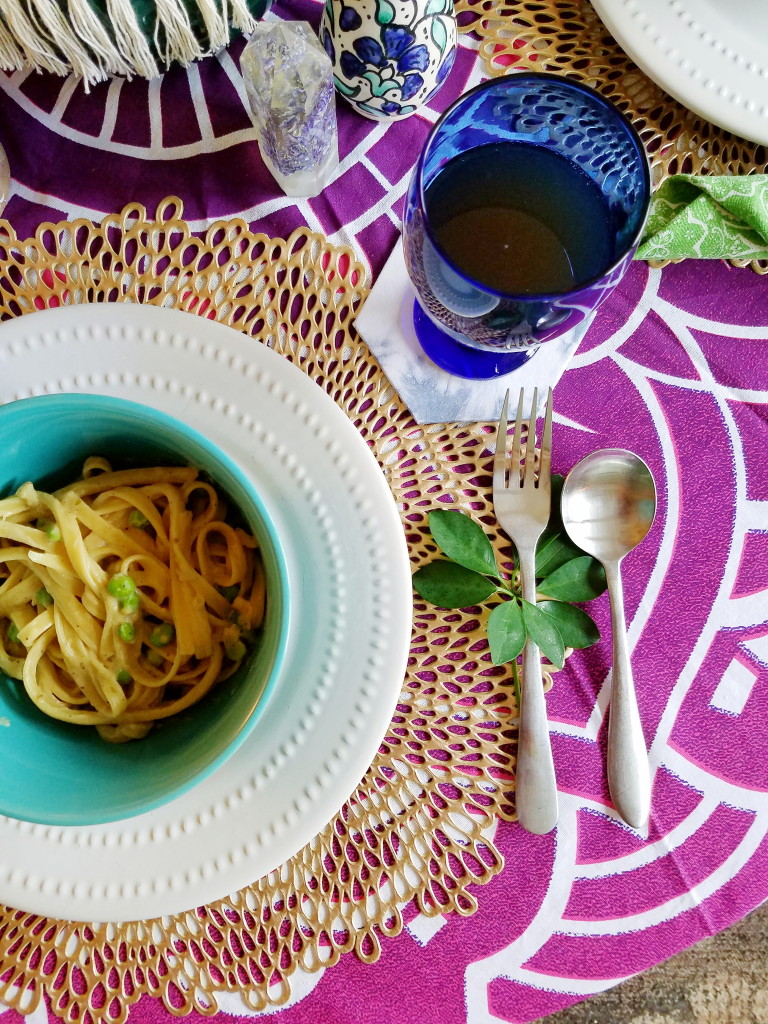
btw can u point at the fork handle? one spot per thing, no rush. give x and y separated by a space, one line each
536 788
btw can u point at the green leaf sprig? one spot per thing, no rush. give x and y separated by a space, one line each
469 575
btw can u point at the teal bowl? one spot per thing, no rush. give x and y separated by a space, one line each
55 773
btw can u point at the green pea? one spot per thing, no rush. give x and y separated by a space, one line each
124 677
121 586
43 598
131 603
230 593
127 632
162 635
13 633
138 519
50 528
236 651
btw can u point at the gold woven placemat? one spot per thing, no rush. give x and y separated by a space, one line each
413 829
568 37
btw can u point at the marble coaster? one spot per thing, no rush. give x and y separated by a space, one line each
433 395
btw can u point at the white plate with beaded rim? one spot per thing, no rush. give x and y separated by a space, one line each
348 570
711 55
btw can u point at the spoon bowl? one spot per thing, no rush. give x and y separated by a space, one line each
609 503
608 506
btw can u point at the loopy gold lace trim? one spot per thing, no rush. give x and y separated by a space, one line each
419 826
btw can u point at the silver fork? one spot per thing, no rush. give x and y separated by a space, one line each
522 501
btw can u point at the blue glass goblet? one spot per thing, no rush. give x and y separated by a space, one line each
523 214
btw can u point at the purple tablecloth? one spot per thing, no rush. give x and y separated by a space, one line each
675 367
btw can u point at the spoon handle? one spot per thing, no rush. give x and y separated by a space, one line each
629 779
535 787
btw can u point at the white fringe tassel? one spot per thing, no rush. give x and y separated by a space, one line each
98 42
42 35
36 46
241 17
180 43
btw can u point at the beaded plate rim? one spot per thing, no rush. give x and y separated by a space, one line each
684 51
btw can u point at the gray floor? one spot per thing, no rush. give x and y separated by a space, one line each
722 980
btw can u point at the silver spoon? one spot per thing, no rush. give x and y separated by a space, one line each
608 505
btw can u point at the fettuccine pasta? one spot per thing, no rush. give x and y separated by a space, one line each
125 596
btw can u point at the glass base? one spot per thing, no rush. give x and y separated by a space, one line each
459 359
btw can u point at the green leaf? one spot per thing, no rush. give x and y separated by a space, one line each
506 632
574 625
463 540
580 579
461 580
543 630
555 517
451 586
553 550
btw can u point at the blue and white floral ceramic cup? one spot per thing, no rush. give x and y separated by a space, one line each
389 56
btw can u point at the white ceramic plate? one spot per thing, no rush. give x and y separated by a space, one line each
711 55
351 618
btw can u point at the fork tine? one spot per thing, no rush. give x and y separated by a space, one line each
515 464
546 445
530 441
500 458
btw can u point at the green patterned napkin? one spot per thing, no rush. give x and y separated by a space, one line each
710 217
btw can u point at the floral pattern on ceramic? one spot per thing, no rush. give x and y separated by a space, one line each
389 56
